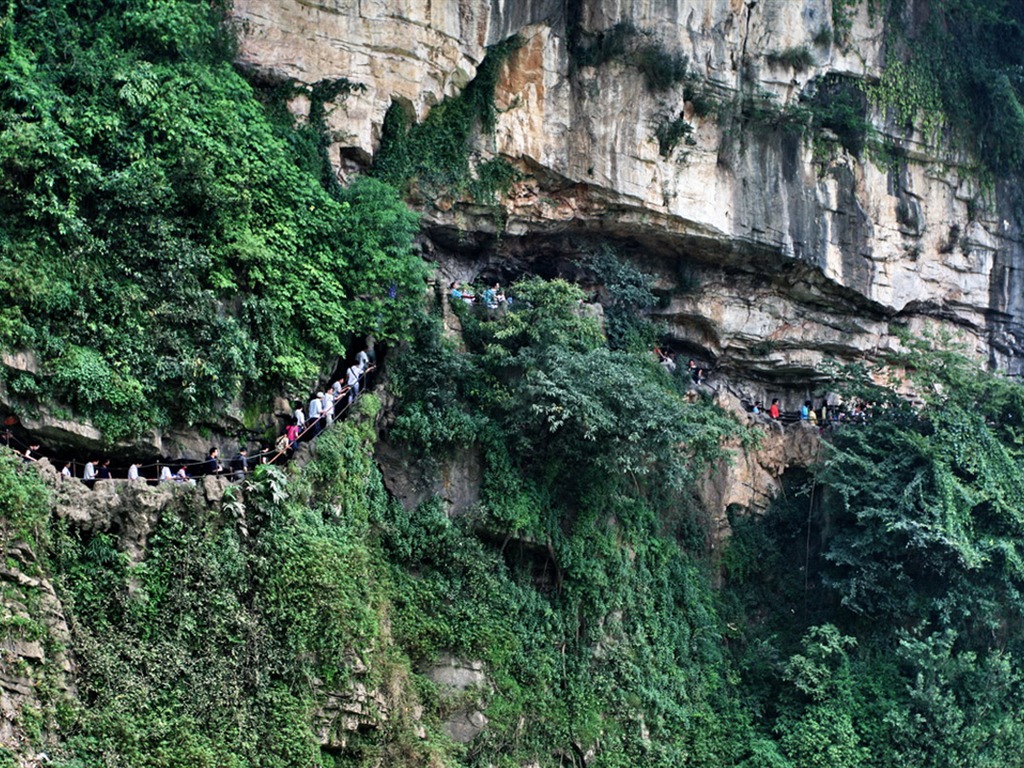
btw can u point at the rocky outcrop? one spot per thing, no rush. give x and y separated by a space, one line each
749 479
354 710
462 684
456 479
130 509
414 52
793 249
36 672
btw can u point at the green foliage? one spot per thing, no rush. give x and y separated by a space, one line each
561 401
961 68
493 178
835 109
552 315
824 737
599 48
432 383
581 444
669 133
591 617
432 158
824 36
25 502
625 296
116 400
839 106
214 648
963 708
570 669
701 98
942 485
661 68
911 94
842 19
797 58
823 673
898 562
167 236
762 109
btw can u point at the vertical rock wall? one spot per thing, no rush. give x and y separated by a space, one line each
794 239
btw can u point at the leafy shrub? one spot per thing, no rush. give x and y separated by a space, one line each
669 133
432 157
159 220
24 501
703 101
838 105
797 58
661 68
115 401
626 297
608 45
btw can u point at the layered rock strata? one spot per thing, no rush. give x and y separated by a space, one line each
792 239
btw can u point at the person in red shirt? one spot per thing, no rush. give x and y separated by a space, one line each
774 411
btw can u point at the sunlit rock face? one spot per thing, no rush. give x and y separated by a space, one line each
774 247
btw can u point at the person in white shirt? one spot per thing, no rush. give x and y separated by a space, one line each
133 472
352 376
313 412
89 474
327 407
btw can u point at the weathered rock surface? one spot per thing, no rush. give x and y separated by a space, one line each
343 713
462 683
749 479
813 253
131 509
455 479
36 669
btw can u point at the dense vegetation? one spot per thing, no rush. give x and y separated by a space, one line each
170 239
881 598
597 629
871 618
953 64
431 159
167 241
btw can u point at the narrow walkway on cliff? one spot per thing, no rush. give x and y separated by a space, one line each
305 425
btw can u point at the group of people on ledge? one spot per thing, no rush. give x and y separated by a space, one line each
323 407
492 298
824 415
304 423
667 360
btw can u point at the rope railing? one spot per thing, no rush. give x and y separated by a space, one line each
332 412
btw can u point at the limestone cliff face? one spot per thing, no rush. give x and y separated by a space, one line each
789 255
